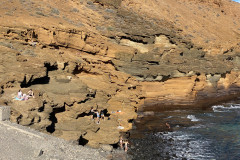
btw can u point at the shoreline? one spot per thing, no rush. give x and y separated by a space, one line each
211 122
139 56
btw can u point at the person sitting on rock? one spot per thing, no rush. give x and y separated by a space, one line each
102 115
30 93
19 95
24 97
91 113
97 116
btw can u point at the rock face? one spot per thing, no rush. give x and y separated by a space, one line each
114 56
114 3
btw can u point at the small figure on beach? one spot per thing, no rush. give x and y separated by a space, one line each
126 145
33 43
24 97
102 115
121 142
167 125
97 115
30 93
19 94
92 113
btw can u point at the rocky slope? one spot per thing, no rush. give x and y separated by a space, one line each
114 55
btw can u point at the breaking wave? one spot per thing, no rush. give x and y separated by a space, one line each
221 108
192 118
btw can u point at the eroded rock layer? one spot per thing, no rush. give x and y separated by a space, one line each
114 55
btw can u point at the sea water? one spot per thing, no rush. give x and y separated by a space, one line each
194 134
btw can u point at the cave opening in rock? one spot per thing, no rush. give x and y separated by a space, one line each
53 119
82 141
115 146
41 109
77 70
130 120
19 118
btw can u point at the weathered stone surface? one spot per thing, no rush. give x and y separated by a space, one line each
115 3
106 148
114 56
196 90
4 113
107 134
20 142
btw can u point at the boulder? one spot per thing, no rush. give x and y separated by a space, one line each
106 147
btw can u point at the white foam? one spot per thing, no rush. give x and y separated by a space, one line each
221 108
169 117
186 145
192 118
197 126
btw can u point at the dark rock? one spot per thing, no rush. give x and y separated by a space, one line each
38 153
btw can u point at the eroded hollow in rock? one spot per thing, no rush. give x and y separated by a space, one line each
53 119
82 141
115 146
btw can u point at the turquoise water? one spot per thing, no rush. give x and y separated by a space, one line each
195 134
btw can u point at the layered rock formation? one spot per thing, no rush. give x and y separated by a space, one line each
114 55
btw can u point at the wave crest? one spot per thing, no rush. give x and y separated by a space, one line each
192 118
221 108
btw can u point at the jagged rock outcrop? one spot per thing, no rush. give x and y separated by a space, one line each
114 55
67 83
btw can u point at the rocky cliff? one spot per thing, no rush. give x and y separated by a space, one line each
114 55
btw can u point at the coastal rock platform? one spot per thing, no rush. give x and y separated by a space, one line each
116 56
23 143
